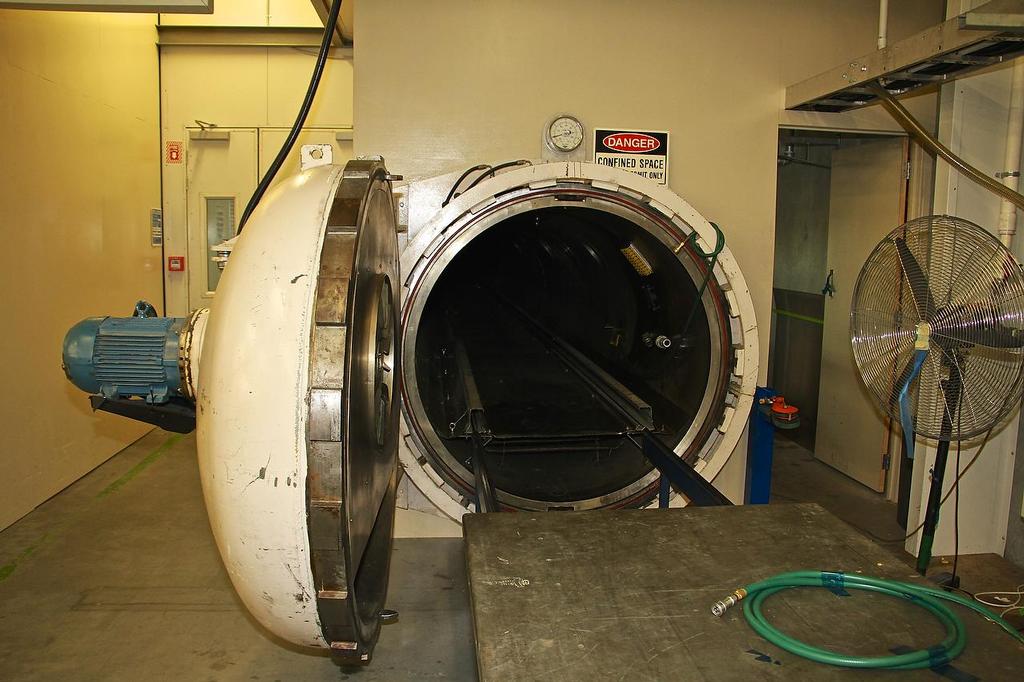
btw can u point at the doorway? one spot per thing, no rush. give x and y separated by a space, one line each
839 193
223 166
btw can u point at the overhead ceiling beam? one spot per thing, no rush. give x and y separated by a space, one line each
941 53
170 35
343 30
168 6
997 15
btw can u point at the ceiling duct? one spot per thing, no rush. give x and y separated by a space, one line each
987 35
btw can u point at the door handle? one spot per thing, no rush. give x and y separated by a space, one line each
830 288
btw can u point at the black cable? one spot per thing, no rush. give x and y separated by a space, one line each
488 171
955 487
300 119
465 174
945 497
495 169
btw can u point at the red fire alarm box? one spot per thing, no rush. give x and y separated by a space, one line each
175 264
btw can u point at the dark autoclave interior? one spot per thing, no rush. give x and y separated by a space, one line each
502 315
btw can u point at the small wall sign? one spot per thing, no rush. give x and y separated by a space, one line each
174 151
156 227
644 152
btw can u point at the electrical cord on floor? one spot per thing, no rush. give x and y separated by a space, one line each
862 529
1004 601
960 589
300 119
912 533
926 597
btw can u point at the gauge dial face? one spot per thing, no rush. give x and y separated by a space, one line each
565 133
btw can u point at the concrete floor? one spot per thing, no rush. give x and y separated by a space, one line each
118 578
798 477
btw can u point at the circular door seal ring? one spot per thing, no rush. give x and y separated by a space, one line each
352 436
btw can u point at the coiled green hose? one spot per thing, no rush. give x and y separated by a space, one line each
754 595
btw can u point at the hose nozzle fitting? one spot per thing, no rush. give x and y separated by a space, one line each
722 605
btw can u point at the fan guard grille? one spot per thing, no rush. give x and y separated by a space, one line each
975 316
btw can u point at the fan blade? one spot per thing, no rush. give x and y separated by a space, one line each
918 281
976 326
996 336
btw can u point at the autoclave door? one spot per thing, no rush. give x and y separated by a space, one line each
354 410
297 412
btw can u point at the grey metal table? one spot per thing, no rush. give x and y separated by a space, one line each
627 595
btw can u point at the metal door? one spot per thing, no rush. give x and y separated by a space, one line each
220 177
297 418
867 200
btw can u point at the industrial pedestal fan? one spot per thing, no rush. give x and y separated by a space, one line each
937 325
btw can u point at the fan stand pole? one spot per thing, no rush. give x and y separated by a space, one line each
931 514
951 397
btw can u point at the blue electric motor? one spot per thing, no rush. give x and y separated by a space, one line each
126 357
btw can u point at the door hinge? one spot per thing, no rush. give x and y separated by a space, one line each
401 197
906 170
886 461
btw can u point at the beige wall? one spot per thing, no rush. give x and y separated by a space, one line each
237 87
79 173
973 124
442 86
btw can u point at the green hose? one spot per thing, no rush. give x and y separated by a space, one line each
710 259
754 595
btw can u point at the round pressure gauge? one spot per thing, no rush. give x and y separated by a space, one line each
565 133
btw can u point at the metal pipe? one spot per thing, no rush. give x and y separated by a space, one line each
634 411
787 160
486 498
1011 159
699 491
883 23
476 428
933 146
639 415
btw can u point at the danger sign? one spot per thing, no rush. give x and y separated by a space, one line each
644 152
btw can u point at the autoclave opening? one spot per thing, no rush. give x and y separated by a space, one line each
490 338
